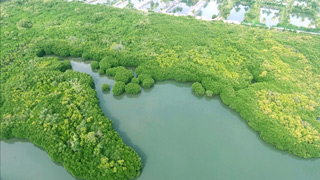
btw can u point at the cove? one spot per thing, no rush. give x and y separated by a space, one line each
181 136
21 160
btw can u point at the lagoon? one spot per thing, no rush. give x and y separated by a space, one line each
179 136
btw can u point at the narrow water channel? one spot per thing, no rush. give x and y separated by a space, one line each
181 137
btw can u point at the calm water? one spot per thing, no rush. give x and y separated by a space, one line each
137 3
238 13
21 160
179 137
301 21
181 8
122 4
270 17
300 3
210 9
98 2
156 5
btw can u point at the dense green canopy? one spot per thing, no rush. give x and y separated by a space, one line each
271 79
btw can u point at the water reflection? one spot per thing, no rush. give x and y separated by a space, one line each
270 17
238 13
156 5
209 10
301 20
300 3
181 8
121 4
137 3
97 2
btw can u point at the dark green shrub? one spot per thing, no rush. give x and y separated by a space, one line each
214 86
76 52
132 88
143 76
147 83
61 48
111 60
135 80
65 65
98 55
103 64
86 56
101 71
124 76
105 87
114 62
113 71
198 89
94 65
118 88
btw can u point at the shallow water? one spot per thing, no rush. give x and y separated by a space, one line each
238 13
270 17
183 137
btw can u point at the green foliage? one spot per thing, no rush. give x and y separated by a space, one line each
114 62
104 64
57 109
211 85
124 75
24 24
113 71
142 77
65 65
118 88
105 87
117 47
198 89
135 80
132 88
147 82
209 93
101 71
94 65
146 79
85 56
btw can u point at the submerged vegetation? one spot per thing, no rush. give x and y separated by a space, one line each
271 79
